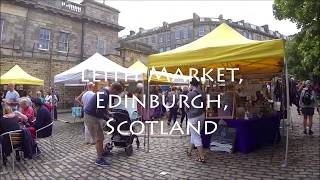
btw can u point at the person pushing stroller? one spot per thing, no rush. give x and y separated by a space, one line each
94 117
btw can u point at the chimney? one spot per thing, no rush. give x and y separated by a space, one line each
140 30
164 24
265 27
132 33
195 16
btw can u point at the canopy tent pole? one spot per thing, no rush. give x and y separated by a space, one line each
148 110
287 124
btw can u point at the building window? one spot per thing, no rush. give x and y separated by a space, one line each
185 33
168 37
153 40
168 48
212 27
245 34
177 34
201 31
44 39
190 33
63 43
1 28
161 38
248 34
161 49
146 40
101 46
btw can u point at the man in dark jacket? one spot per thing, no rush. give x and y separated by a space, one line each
94 115
172 102
185 91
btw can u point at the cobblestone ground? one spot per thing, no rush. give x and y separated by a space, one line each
72 159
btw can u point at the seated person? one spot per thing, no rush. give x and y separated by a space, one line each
262 105
43 118
27 114
8 122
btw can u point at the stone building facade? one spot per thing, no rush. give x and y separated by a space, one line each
47 37
173 35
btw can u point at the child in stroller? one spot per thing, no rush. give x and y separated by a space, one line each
119 140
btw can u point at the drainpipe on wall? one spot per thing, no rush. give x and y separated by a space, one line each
24 33
123 59
82 33
82 41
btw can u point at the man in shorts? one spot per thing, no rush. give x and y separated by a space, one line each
94 115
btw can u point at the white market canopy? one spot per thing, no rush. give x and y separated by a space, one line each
102 66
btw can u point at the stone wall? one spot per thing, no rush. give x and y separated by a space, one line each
93 32
22 26
101 11
23 20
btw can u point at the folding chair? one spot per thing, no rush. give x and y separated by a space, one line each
51 136
15 138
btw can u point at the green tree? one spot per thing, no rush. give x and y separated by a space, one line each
303 50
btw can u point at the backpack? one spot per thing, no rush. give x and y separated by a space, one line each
307 97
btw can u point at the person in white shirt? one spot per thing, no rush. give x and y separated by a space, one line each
52 101
12 97
83 100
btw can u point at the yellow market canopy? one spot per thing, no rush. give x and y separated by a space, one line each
138 66
224 47
17 75
141 68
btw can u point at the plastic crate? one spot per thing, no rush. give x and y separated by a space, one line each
76 112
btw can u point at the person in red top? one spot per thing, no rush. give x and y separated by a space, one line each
26 113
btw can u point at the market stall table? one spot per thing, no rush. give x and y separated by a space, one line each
251 134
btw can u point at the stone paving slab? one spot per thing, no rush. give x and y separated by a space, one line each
72 159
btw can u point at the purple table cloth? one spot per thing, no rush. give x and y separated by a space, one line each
251 134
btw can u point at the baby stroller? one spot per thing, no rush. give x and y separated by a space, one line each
121 140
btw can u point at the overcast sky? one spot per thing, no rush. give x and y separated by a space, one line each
150 14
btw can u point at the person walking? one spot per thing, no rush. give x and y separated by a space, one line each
94 115
52 101
172 102
307 103
83 100
300 86
185 91
55 107
1 103
196 115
